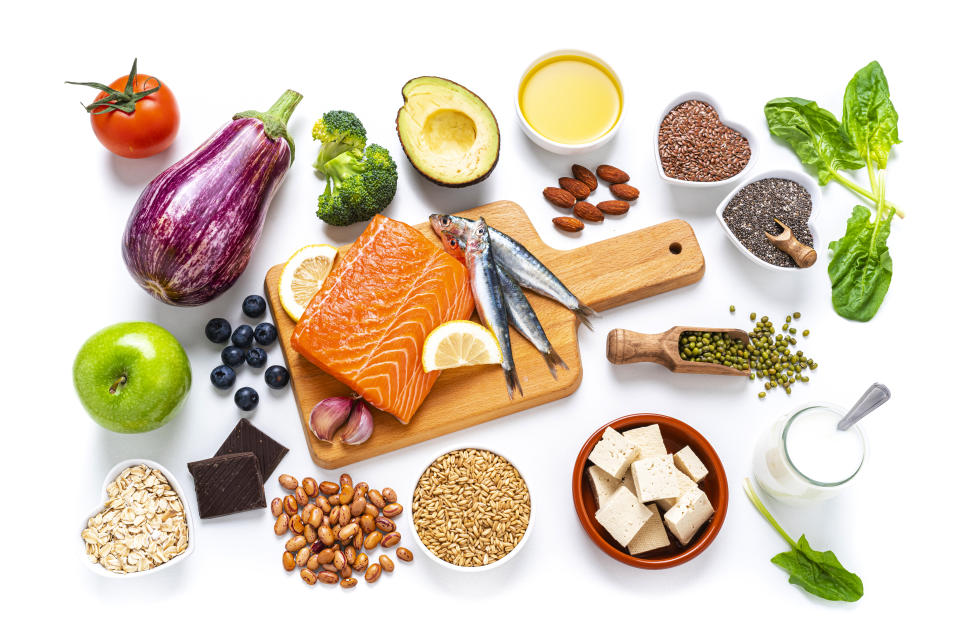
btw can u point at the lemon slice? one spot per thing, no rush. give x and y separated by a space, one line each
303 275
460 343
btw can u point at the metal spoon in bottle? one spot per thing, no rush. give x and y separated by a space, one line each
872 398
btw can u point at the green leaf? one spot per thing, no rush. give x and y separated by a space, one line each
814 134
869 118
861 268
819 573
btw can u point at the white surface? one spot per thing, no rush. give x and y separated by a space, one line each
67 200
805 180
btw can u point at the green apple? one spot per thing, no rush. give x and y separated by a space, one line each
132 377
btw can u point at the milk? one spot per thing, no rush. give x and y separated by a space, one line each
803 458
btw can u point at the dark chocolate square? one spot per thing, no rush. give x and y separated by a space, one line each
246 437
227 484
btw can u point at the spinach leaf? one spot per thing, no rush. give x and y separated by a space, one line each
861 268
815 135
869 118
819 573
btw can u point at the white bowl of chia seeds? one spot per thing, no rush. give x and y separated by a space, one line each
749 210
698 147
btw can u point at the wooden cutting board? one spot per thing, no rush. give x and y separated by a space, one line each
603 275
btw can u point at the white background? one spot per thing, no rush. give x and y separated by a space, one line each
67 200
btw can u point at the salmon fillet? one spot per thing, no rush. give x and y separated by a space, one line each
366 326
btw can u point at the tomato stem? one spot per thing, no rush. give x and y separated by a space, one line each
125 100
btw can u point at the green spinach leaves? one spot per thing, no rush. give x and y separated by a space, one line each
816 572
815 135
861 267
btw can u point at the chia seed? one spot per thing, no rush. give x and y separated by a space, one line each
694 145
752 211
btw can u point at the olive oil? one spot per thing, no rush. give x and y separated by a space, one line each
570 99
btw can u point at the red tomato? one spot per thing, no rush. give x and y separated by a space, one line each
147 131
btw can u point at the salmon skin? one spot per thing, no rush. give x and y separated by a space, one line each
366 326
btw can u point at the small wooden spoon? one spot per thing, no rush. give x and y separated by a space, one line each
625 346
803 255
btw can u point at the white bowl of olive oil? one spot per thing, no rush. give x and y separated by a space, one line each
569 101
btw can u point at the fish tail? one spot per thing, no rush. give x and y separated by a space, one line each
513 382
553 361
583 312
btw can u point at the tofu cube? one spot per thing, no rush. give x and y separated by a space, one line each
623 516
628 483
688 462
657 478
652 535
686 517
648 439
686 484
614 453
602 483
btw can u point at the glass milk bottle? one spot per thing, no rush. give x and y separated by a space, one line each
803 458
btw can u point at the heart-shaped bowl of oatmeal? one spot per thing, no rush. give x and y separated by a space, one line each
144 524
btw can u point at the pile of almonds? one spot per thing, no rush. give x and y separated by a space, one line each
573 192
338 525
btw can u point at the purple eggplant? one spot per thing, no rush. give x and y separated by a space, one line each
192 230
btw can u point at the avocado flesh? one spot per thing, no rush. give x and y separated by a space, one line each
448 133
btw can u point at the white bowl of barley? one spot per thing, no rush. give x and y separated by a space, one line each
450 489
112 476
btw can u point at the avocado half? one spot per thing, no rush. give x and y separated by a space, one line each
448 133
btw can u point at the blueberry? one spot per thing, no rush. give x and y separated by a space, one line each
232 356
246 398
254 306
256 357
243 336
217 330
265 333
277 377
223 377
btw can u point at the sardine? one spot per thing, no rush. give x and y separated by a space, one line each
522 265
488 297
521 315
524 319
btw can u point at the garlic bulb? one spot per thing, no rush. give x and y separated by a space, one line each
329 415
359 425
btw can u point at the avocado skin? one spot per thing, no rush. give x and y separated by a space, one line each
452 185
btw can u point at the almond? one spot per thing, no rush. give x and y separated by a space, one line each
624 191
585 176
566 223
577 188
612 175
559 197
613 207
587 211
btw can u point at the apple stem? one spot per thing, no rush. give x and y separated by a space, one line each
120 382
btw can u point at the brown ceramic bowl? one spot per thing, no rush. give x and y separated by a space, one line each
676 435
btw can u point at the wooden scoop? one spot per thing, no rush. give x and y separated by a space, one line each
803 255
664 348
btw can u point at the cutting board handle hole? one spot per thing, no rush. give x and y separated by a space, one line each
676 248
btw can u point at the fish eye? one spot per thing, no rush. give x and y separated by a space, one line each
444 220
453 242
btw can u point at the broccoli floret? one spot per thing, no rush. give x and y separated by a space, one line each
359 186
339 131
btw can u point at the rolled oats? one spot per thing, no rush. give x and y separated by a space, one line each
141 525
